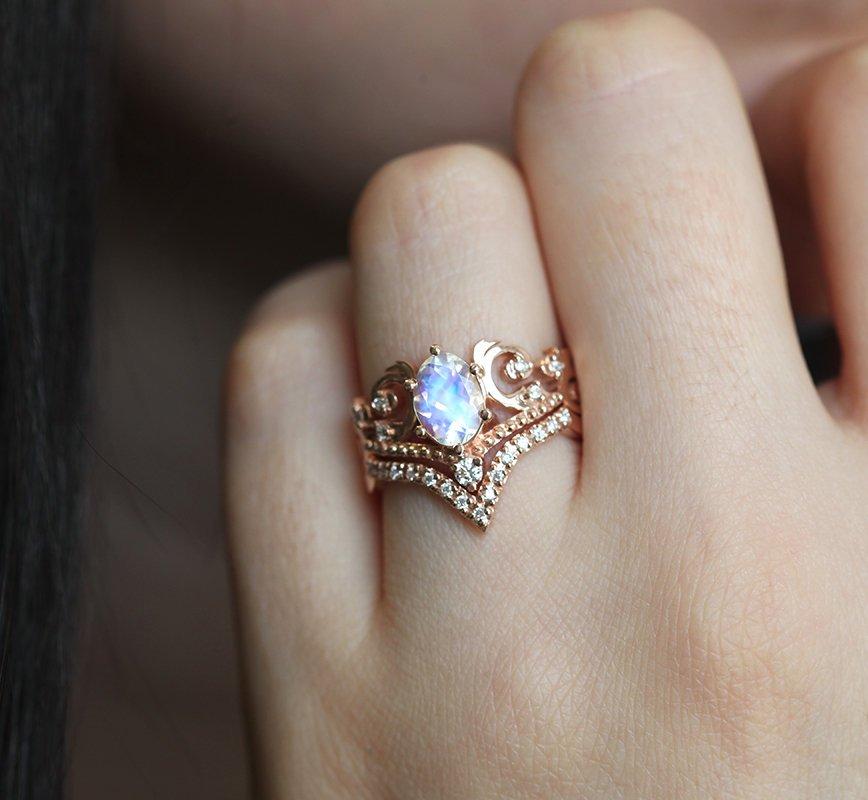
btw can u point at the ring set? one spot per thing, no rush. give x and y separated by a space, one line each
459 428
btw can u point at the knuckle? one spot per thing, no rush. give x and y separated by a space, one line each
748 640
532 694
588 60
444 189
288 326
837 102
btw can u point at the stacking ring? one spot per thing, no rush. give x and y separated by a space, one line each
459 428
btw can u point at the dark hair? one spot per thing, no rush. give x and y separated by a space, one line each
47 115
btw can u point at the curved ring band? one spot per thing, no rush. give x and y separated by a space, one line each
459 428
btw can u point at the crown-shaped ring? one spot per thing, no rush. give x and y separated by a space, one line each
459 428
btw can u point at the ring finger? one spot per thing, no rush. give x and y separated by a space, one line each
445 252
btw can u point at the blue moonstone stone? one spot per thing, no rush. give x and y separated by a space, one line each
448 399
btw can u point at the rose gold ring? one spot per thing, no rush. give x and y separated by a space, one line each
459 428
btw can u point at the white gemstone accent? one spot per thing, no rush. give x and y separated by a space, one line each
518 368
411 472
382 431
480 515
552 425
429 478
552 366
381 404
534 392
522 442
462 502
488 493
447 488
468 471
498 474
396 471
509 453
538 433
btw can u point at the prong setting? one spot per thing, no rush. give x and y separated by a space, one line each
451 435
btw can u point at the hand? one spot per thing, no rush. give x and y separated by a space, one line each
678 611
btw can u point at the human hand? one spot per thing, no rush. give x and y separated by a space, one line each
678 611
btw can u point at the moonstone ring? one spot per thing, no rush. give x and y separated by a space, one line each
459 428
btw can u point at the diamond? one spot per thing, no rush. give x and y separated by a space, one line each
429 478
518 367
411 472
480 515
381 404
447 488
522 443
382 431
509 453
564 415
448 399
538 433
498 474
462 502
534 392
552 366
468 471
552 425
488 493
396 471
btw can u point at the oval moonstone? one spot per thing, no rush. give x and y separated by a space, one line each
448 399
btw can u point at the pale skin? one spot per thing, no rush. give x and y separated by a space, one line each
678 609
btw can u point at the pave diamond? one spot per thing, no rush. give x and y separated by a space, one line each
538 433
429 478
489 494
522 443
498 474
468 471
462 502
447 488
480 515
509 453
396 471
534 392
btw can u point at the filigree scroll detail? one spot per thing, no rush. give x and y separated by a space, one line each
485 353
527 402
399 417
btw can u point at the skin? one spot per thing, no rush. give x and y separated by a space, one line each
678 613
327 92
221 187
